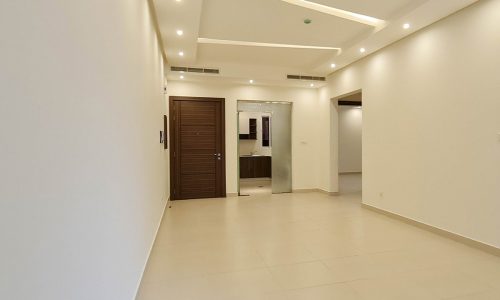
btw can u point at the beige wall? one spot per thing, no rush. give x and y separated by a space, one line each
350 134
431 107
304 124
82 172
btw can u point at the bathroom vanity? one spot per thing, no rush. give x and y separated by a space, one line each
255 166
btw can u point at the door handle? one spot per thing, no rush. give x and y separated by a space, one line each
218 155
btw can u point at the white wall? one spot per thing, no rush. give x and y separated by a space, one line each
248 147
82 172
431 122
304 124
350 134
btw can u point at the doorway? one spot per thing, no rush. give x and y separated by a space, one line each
350 116
264 148
255 152
197 156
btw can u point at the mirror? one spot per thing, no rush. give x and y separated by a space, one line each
266 135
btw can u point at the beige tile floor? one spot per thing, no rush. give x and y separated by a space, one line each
307 246
350 183
255 186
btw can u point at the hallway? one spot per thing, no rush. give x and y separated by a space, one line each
112 109
307 246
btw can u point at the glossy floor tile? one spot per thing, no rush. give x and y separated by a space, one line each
307 246
350 183
255 186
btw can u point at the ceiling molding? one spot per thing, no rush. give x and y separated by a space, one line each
231 33
256 44
367 20
154 19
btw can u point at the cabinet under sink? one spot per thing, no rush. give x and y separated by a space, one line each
255 166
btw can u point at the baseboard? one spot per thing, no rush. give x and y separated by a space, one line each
305 191
328 193
167 204
230 195
256 179
349 173
316 191
444 233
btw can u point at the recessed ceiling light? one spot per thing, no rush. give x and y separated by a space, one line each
406 26
178 0
251 81
333 66
362 50
182 77
311 85
181 53
180 32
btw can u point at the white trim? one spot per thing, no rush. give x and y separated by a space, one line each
344 14
256 44
152 245
315 191
437 230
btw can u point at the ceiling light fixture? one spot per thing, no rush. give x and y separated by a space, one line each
311 85
251 81
367 20
406 26
333 66
182 76
362 50
180 32
181 53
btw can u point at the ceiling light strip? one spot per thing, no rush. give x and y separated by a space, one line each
254 44
367 20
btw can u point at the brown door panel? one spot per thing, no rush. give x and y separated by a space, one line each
198 186
198 164
198 138
197 148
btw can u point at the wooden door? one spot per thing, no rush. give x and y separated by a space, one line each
197 155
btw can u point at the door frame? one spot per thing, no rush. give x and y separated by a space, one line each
222 102
334 182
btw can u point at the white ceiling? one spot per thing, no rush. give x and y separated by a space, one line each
274 21
237 22
382 9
